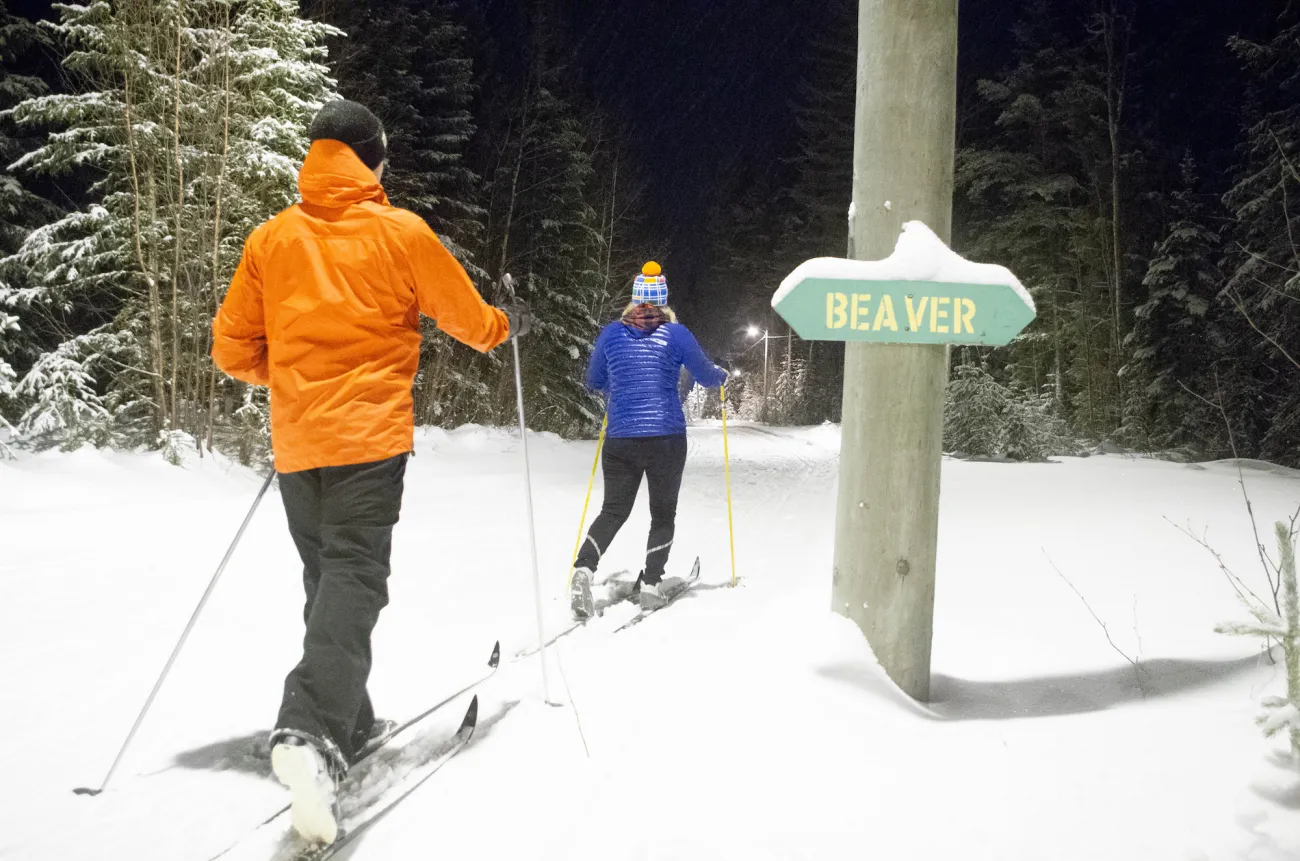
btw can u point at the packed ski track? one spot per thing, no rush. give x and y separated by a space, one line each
748 722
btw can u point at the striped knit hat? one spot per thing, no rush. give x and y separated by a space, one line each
650 287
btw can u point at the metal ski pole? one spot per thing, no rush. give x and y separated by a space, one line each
509 283
82 790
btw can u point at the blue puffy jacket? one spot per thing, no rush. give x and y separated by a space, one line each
638 369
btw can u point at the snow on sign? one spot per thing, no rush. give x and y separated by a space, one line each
923 293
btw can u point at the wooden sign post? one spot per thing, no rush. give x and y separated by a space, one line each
901 313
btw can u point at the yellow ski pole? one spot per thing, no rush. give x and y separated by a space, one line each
726 459
590 483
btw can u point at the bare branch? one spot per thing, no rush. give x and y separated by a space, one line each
1269 567
1137 667
1236 300
1136 632
1238 585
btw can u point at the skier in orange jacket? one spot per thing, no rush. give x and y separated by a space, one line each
324 308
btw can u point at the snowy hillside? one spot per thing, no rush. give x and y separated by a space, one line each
748 723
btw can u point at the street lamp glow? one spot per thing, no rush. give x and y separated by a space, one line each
753 331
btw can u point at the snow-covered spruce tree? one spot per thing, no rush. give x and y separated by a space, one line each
1281 714
789 393
974 421
1175 337
250 431
1264 266
277 81
409 62
1041 187
20 211
8 325
1033 428
190 115
63 388
617 192
703 404
744 398
824 111
545 236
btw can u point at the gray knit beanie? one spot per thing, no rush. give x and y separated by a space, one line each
353 124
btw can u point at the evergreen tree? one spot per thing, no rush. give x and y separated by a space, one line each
616 192
1044 192
826 111
8 328
409 61
1033 428
545 234
983 418
973 419
1280 622
817 225
192 117
20 209
1176 338
1264 276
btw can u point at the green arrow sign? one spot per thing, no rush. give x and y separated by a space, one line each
923 293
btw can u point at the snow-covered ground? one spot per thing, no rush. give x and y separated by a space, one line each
748 723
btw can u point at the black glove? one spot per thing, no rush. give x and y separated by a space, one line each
520 318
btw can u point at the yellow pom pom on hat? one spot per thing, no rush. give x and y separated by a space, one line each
650 287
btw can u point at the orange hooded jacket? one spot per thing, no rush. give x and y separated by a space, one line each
325 309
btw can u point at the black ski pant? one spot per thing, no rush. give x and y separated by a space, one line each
341 519
661 459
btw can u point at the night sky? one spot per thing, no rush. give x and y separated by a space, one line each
707 85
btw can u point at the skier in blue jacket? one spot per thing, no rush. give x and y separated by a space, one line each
636 364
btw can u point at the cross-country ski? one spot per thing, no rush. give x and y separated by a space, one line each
383 786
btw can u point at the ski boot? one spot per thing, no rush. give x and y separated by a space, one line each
581 602
311 768
652 596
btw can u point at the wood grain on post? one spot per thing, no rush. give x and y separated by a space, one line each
888 507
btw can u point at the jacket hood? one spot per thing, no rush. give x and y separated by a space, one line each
333 176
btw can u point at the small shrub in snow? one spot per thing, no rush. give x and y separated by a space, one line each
973 414
983 418
178 447
66 407
253 426
1034 429
1281 714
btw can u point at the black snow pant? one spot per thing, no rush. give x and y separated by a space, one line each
341 519
661 459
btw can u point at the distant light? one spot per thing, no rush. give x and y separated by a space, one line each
753 331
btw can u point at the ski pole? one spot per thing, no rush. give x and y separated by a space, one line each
82 790
509 283
590 483
726 459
